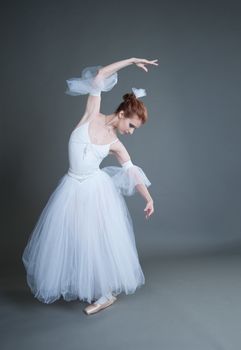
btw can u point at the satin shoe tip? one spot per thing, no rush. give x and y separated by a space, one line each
94 308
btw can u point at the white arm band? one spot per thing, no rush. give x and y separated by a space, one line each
127 164
95 93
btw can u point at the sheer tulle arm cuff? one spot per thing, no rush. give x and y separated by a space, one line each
127 177
127 164
89 83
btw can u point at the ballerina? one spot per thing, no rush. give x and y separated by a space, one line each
83 244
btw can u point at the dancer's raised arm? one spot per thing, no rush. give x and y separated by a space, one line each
96 79
114 67
107 72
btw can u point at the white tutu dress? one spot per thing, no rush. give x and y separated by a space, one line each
83 244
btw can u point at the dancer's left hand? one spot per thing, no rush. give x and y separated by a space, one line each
140 62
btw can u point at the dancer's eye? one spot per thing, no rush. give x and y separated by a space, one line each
132 126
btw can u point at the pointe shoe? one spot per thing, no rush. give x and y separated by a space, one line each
93 308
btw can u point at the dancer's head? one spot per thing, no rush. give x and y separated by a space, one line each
131 114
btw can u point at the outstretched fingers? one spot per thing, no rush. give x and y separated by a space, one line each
142 62
154 62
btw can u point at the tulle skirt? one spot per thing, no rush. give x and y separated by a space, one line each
83 245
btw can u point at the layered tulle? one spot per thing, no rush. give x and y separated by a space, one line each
89 83
83 244
126 178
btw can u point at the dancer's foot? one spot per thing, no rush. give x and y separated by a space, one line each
95 307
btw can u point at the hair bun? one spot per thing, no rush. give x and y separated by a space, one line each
129 96
131 105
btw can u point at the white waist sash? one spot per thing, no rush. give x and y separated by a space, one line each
84 176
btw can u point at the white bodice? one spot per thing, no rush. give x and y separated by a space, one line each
84 156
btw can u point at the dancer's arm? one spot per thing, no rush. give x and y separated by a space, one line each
114 67
122 156
94 102
134 175
92 107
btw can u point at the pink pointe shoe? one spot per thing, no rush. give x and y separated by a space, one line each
93 308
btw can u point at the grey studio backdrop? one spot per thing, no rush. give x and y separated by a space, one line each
190 147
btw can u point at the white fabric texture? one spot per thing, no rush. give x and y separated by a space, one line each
104 299
139 92
127 177
83 244
127 164
89 84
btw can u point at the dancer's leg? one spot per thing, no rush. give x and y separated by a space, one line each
104 298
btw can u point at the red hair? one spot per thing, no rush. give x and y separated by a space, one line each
132 105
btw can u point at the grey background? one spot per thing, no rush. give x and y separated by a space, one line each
190 147
190 150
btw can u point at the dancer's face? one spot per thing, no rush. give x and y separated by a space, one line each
128 125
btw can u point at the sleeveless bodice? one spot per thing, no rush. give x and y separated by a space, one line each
84 156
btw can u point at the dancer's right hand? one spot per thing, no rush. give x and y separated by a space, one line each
149 209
